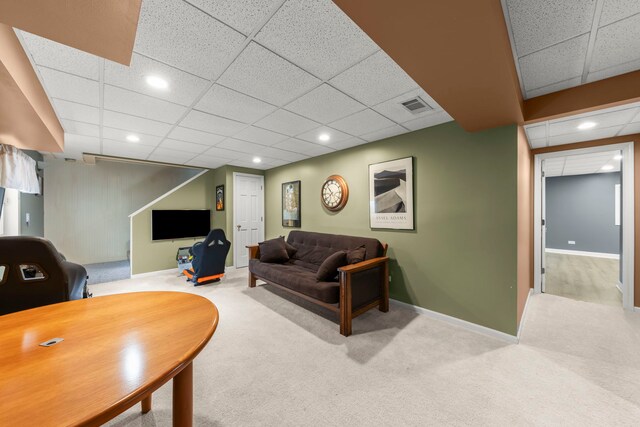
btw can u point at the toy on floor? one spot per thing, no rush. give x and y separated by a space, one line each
207 264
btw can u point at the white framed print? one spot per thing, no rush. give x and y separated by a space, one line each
391 194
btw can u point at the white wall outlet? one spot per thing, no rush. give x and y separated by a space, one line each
389 278
572 242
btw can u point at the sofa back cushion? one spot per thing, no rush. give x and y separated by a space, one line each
314 248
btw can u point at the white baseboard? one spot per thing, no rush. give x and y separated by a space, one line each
458 322
524 313
153 273
582 253
636 309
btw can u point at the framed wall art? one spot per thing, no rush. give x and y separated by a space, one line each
391 194
291 207
220 198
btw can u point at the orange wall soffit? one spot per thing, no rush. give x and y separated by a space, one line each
27 119
611 92
456 50
106 28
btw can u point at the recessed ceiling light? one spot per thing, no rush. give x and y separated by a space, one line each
257 160
617 157
607 167
157 82
324 137
133 138
586 125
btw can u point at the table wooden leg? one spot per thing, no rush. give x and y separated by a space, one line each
146 404
183 397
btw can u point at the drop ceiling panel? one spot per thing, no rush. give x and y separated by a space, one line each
617 44
542 23
188 147
60 57
125 101
308 32
70 88
433 119
75 145
366 121
183 89
613 71
206 162
248 164
537 132
170 156
222 153
602 120
260 136
134 124
287 123
77 112
240 146
615 10
80 128
121 136
303 147
234 105
384 133
208 123
124 149
314 135
374 80
325 104
266 76
554 64
275 153
192 135
183 36
243 15
586 136
555 87
352 142
394 110
631 128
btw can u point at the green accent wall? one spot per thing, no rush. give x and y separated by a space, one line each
461 259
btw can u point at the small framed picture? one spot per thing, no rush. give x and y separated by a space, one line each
291 208
391 194
220 198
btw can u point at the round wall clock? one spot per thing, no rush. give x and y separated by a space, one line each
335 193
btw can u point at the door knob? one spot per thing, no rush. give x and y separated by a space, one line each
238 227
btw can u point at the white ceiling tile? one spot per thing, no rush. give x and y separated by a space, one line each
613 71
121 135
303 147
436 118
179 34
309 32
76 145
249 164
287 123
394 110
70 88
260 136
264 75
134 124
183 88
342 145
136 104
125 149
77 112
234 105
554 64
538 143
170 156
188 147
602 120
571 138
615 10
191 135
50 54
361 123
384 133
206 162
314 135
243 15
630 129
542 23
617 44
213 124
374 80
325 104
241 146
80 128
222 154
536 131
275 153
554 87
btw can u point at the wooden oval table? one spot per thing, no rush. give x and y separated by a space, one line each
116 351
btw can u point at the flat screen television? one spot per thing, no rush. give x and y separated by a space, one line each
180 224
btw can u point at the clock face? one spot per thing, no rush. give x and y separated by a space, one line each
334 193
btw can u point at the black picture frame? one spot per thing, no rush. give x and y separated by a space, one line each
220 198
291 204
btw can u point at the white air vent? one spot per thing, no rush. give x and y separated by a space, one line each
416 105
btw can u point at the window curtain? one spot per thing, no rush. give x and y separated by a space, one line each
17 170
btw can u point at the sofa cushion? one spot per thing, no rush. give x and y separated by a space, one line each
314 248
291 250
356 255
328 270
296 278
273 250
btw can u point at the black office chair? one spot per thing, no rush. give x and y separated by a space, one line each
207 265
33 273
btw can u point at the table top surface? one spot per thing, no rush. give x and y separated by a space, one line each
116 350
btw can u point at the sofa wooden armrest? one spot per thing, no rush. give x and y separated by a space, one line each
254 253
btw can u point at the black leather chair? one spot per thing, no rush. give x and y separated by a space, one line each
33 273
209 258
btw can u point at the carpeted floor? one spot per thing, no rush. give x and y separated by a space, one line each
274 363
108 271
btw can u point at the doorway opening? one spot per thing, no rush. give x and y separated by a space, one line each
583 216
248 215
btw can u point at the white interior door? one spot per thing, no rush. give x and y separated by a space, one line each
10 213
543 231
248 215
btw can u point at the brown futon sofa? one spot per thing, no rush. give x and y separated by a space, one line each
356 280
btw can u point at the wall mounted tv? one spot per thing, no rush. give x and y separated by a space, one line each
180 224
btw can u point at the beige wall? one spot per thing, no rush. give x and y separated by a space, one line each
525 221
87 207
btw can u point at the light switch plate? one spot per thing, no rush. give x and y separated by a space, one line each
572 242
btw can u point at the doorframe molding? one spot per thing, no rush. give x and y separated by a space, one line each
233 213
628 231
